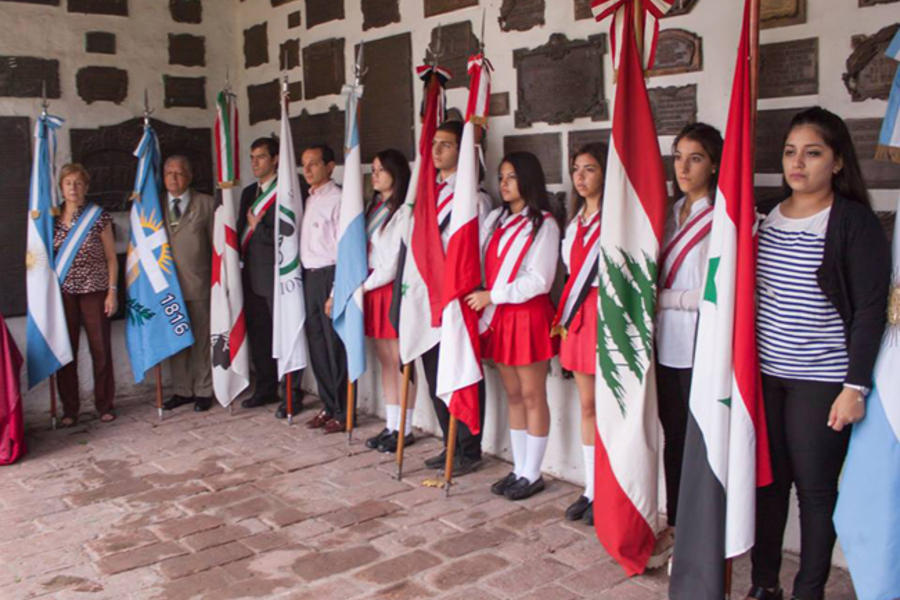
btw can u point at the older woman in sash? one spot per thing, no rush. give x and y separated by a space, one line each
520 258
697 150
576 316
88 270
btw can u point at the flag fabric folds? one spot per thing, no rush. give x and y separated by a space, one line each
12 427
889 139
228 329
352 261
726 447
866 517
157 324
289 309
634 206
47 338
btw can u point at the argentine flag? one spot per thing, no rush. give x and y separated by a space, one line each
47 337
352 262
157 324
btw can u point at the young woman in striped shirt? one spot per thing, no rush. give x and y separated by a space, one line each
823 275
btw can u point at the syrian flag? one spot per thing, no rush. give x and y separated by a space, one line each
459 362
726 446
228 331
634 207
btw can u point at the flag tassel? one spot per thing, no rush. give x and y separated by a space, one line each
53 401
401 437
451 450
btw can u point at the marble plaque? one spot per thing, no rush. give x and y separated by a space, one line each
583 9
386 108
100 42
321 128
673 107
323 67
521 15
256 46
15 167
870 73
436 7
99 7
789 68
263 101
289 55
27 76
322 11
546 146
102 83
458 42
186 49
498 104
186 11
771 127
878 174
184 91
681 7
561 81
677 51
781 13
580 138
378 13
293 19
874 2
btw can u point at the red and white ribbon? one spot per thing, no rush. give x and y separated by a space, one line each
651 12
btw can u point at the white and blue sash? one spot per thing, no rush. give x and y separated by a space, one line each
74 239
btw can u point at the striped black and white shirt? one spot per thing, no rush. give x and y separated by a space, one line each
799 331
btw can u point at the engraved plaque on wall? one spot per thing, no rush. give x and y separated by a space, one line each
680 7
874 2
781 13
184 91
771 126
322 11
789 68
15 168
102 83
870 73
561 81
521 15
546 146
323 67
263 101
582 137
321 128
583 9
289 51
498 104
100 42
293 19
677 51
186 49
378 13
436 7
295 91
186 11
279 2
100 7
256 46
878 174
458 42
386 109
25 76
47 2
673 107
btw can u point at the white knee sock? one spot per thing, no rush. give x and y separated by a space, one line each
588 453
517 442
534 456
393 416
407 427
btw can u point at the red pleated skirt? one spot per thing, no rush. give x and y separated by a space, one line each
377 306
521 333
578 351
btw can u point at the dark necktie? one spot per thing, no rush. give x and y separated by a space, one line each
176 209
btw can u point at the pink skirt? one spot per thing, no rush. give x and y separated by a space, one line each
578 350
377 306
521 333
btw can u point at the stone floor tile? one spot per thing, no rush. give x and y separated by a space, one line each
318 565
399 568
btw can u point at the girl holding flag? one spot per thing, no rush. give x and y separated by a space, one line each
520 257
390 179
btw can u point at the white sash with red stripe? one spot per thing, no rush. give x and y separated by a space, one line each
674 253
444 204
584 276
260 206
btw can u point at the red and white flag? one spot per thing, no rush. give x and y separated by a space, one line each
634 206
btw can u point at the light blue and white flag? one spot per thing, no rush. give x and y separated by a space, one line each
867 517
352 263
47 338
889 140
157 324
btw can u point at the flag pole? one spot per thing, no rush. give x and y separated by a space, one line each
159 406
350 409
451 450
401 441
289 393
53 401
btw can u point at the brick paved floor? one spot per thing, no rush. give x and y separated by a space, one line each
218 506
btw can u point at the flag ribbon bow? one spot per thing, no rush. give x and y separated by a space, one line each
479 69
646 24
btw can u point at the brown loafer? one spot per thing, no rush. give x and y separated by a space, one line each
319 420
334 426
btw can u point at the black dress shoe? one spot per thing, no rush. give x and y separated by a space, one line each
281 411
176 401
578 508
463 465
761 593
499 486
389 444
202 403
438 461
372 442
588 517
255 401
522 488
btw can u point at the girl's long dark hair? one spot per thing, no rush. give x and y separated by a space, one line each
848 182
599 151
532 186
711 140
395 164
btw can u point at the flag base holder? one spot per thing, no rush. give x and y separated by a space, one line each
451 450
289 398
53 402
351 408
159 405
401 439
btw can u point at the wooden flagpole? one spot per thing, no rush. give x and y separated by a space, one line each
451 450
53 401
401 441
159 404
289 398
350 409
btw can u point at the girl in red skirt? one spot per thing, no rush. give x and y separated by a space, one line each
390 179
522 249
576 317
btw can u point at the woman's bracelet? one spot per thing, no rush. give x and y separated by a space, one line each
114 287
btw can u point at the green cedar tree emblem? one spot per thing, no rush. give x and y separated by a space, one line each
710 293
137 313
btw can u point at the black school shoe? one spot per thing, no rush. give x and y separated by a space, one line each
761 593
202 403
522 488
389 444
577 509
437 461
175 401
373 442
499 487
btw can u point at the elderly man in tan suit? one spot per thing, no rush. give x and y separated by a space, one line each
189 223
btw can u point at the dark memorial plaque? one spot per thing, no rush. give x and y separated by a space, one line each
870 73
580 138
184 91
583 10
15 168
99 7
680 7
561 81
789 68
498 104
186 49
47 2
280 2
771 126
186 11
321 128
677 51
26 77
781 13
878 174
293 19
323 67
546 146
100 42
378 13
323 11
107 155
289 55
263 101
102 83
386 108
874 2
458 43
437 7
295 91
521 15
673 107
256 46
